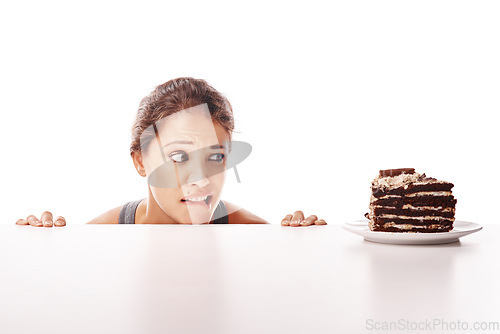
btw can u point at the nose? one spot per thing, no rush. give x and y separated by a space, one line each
198 177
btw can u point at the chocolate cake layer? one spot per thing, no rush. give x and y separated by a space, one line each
377 228
413 221
436 201
413 213
411 189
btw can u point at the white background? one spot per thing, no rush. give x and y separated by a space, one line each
326 92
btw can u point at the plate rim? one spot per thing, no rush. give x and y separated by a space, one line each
408 238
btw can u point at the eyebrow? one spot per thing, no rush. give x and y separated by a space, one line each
187 142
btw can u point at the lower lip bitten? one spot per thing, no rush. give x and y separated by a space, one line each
205 203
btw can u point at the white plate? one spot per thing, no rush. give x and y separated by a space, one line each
460 228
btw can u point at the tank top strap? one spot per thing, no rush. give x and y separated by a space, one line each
127 212
220 214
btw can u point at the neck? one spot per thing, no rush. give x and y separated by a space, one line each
148 212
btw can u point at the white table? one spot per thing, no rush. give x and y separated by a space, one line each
237 279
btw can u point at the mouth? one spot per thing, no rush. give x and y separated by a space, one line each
200 200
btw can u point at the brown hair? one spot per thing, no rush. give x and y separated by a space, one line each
173 96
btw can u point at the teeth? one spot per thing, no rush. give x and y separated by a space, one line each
197 199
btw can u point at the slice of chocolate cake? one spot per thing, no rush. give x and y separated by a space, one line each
405 201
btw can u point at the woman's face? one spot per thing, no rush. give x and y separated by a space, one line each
185 165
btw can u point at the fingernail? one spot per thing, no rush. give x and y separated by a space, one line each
38 223
284 222
302 222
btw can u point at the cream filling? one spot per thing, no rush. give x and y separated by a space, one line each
434 193
421 218
402 180
391 182
439 208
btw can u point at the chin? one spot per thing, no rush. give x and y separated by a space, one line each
197 213
199 219
195 217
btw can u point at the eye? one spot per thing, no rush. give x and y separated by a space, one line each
217 157
178 156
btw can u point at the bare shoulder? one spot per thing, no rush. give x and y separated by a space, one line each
108 217
238 215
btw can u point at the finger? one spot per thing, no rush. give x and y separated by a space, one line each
320 222
33 221
22 222
60 221
309 220
298 216
286 220
46 218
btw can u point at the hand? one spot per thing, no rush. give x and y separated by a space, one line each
297 219
45 220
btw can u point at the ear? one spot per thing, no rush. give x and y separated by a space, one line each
138 163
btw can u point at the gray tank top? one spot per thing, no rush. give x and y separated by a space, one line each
127 213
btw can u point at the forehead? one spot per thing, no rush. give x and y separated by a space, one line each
193 125
195 121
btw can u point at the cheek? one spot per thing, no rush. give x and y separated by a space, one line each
218 180
151 163
166 198
169 201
